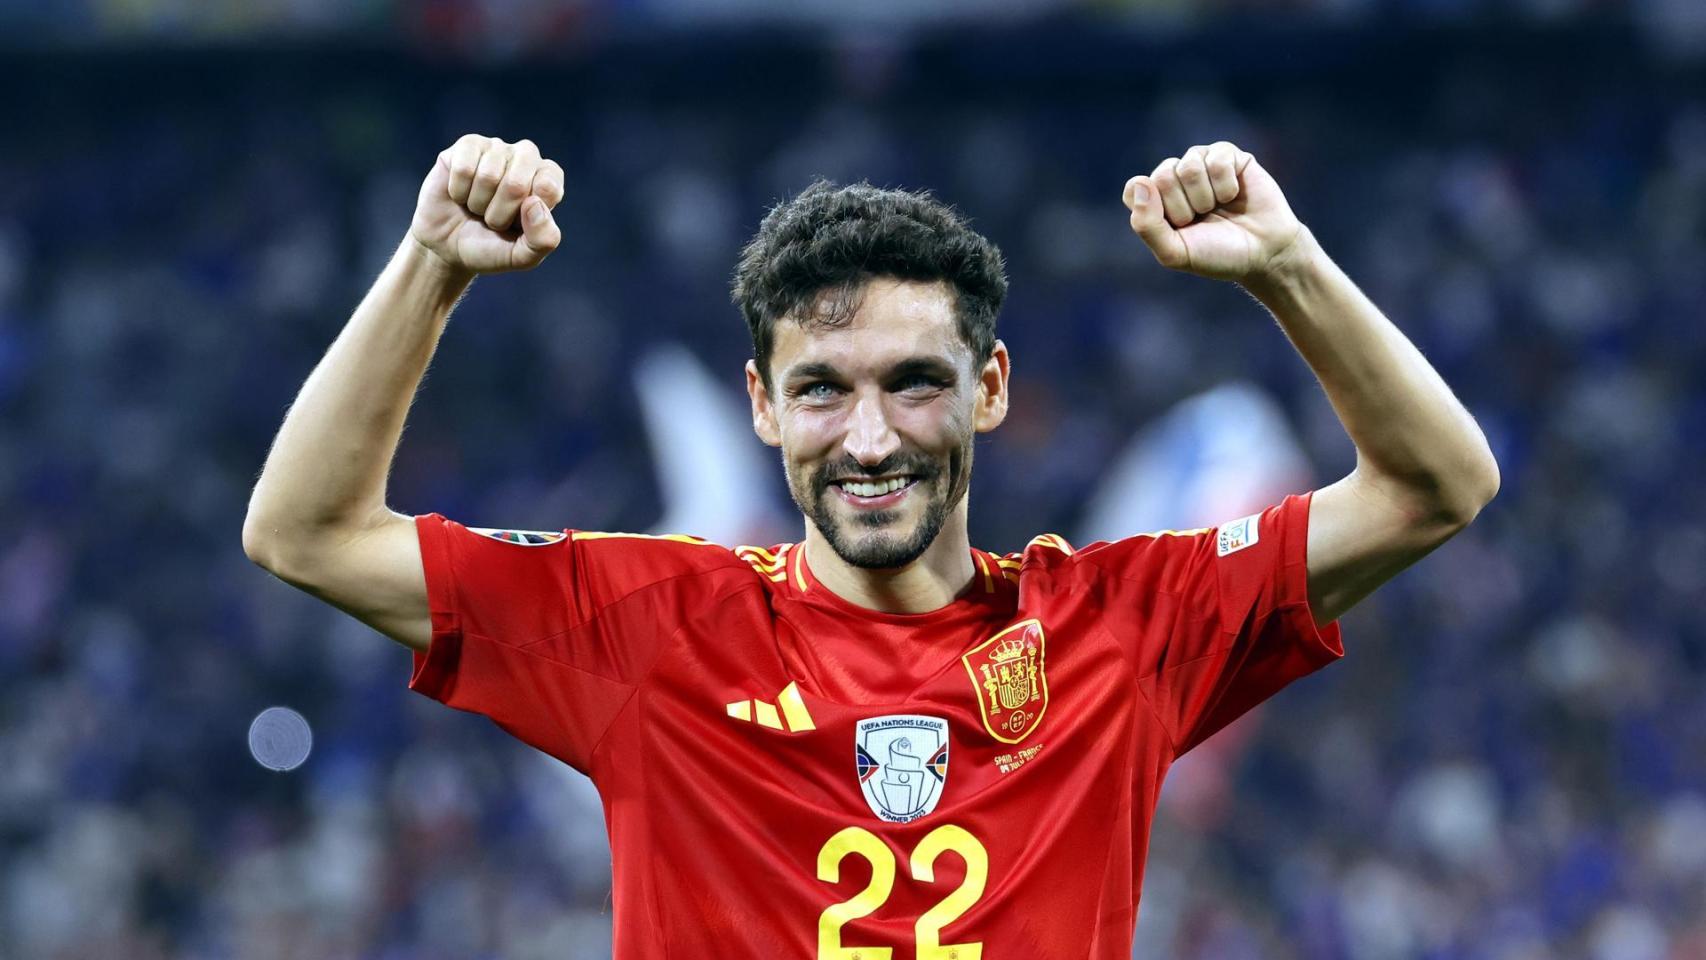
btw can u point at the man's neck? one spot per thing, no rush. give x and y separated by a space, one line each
928 583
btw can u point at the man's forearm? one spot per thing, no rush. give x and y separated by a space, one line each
1408 428
327 469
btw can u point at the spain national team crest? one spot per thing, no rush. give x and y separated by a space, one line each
902 764
1012 690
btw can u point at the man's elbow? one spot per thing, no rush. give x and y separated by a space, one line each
258 542
1471 490
293 551
1442 500
269 544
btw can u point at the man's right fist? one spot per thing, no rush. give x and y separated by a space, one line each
486 206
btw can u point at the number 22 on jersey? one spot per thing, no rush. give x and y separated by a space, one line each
860 842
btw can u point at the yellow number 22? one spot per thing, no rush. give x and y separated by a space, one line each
858 840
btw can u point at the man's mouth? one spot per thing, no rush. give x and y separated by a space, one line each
875 494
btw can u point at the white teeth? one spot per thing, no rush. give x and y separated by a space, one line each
875 489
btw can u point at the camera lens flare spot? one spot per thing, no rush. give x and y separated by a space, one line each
280 738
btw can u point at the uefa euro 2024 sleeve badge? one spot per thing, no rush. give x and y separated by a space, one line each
902 762
1007 672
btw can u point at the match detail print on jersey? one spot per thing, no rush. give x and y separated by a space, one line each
902 764
521 538
1238 534
1007 672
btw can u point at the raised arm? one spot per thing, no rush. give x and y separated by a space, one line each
317 518
1424 469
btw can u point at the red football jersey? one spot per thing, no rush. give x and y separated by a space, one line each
786 774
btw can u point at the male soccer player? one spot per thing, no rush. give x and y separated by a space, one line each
878 742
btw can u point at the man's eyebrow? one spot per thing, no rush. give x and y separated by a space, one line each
816 370
934 366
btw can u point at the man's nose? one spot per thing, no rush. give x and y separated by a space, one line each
870 438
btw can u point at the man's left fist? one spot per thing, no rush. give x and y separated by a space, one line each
1216 213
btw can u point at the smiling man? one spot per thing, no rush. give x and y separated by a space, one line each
880 433
875 364
878 742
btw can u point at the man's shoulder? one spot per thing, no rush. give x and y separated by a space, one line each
1053 553
672 571
653 556
1044 550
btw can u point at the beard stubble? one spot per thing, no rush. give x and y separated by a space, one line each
883 551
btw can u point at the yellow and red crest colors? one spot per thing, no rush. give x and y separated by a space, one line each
1007 673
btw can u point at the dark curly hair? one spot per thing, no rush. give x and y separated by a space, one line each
831 239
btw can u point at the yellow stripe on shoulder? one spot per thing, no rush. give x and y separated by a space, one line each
764 553
1177 533
767 564
763 560
1051 541
677 537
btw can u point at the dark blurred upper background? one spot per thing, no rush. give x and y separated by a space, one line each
1510 763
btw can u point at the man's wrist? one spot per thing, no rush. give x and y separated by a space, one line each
420 262
1289 270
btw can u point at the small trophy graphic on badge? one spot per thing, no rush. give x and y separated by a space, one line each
903 777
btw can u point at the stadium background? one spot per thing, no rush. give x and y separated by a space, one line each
1510 763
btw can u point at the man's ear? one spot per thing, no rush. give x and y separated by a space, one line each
763 410
992 390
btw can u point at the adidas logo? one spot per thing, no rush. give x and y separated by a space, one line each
793 711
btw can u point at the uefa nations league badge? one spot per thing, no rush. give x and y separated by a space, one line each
903 764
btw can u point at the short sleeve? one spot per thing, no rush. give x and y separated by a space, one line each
550 633
1216 621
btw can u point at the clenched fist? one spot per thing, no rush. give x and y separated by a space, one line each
486 206
1214 212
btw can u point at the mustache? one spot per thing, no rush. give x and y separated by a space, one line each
911 464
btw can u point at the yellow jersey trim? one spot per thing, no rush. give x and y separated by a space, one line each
983 568
762 560
1177 533
677 537
1051 541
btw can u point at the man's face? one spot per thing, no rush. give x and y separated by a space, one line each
876 419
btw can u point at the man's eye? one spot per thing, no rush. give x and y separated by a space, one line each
819 391
918 381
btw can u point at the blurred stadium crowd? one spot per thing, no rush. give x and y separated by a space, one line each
500 28
1510 763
